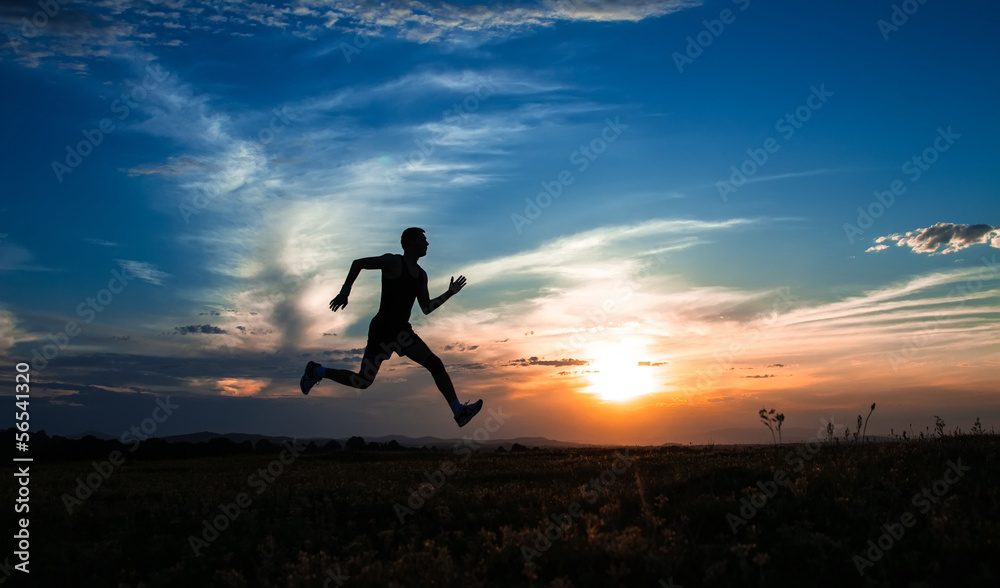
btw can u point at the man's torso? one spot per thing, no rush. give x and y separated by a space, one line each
400 284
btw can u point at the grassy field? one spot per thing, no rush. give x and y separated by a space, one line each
613 517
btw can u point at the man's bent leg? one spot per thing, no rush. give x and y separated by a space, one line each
361 379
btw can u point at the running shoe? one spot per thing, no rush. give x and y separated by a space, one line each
309 378
467 412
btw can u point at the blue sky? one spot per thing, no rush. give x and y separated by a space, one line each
255 150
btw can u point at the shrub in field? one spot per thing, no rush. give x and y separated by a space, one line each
355 444
864 432
769 417
938 426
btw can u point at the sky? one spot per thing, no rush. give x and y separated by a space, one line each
670 214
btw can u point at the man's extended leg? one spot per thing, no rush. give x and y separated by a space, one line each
420 353
436 367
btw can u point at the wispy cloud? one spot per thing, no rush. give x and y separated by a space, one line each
778 177
145 271
612 245
276 254
788 176
8 329
174 165
14 257
101 242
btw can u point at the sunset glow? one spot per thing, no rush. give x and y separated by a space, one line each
797 216
616 375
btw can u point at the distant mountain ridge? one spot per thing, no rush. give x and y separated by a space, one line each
728 436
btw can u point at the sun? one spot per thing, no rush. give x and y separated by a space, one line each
616 375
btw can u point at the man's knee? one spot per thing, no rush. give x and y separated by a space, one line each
362 381
434 364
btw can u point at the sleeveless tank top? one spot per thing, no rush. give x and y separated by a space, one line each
398 295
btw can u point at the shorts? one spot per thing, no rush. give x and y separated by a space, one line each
386 339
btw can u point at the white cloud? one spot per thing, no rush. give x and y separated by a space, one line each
607 244
106 28
145 271
443 21
942 238
101 242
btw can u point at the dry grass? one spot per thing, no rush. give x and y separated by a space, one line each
664 517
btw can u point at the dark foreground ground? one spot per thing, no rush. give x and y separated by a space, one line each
662 517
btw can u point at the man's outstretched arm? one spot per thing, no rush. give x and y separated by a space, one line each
369 263
423 297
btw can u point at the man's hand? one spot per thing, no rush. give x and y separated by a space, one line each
340 301
456 285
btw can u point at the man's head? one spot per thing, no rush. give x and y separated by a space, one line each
413 239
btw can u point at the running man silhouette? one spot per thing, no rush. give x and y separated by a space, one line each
403 281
